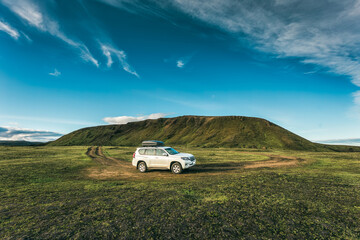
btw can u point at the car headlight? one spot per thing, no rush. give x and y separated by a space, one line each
185 158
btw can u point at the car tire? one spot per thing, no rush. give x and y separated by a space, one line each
142 167
176 168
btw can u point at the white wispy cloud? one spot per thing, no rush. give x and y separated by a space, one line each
86 55
126 119
107 54
36 17
356 96
56 73
27 11
324 33
180 63
109 50
26 37
291 28
354 111
17 134
154 7
7 28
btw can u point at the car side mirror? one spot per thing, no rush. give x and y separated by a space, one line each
165 154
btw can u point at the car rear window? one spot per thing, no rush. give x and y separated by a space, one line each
149 151
142 151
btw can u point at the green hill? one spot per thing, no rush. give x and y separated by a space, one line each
196 131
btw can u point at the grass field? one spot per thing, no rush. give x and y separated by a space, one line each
60 192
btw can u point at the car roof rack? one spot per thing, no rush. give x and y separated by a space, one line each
152 143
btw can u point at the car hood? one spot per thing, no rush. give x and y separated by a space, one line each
183 155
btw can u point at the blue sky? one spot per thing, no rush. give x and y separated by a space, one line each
65 65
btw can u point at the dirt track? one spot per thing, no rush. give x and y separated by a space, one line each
109 167
112 168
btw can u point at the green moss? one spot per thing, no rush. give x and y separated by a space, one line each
45 194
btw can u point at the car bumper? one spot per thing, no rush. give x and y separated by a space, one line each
189 164
134 162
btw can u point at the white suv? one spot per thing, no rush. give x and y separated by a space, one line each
162 157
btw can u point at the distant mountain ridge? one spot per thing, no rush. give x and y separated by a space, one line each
19 143
349 141
196 131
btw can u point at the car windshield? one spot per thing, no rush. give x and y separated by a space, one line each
171 151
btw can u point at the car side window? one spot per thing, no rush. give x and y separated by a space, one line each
159 152
150 151
142 151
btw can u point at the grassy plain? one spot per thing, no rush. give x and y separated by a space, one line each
47 192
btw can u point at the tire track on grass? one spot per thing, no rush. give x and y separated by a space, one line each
109 167
113 168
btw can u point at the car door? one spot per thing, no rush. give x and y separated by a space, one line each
162 158
150 157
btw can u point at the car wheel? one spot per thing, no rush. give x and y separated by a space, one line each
142 167
176 168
